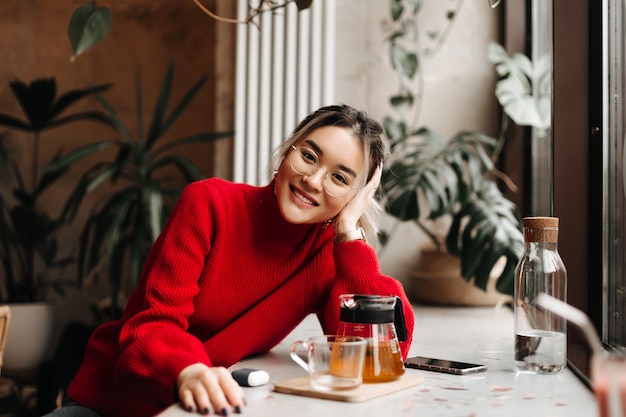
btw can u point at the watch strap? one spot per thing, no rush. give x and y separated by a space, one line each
357 234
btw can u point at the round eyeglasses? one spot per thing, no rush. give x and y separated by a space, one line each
304 161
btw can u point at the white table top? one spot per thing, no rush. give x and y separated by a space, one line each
479 335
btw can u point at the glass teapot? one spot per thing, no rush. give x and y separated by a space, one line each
375 317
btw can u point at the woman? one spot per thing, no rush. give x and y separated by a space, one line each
236 269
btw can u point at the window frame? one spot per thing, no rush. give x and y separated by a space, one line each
577 132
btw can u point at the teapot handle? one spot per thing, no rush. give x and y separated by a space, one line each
399 322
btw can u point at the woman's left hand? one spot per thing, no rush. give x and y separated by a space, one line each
202 388
349 216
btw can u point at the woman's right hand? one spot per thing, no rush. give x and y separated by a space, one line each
202 388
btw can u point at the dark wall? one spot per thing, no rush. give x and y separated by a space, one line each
147 37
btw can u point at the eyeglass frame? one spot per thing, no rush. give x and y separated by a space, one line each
318 166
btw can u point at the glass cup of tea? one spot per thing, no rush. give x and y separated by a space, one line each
333 362
608 378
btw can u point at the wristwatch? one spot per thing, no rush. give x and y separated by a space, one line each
357 234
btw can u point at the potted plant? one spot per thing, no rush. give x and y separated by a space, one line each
29 253
429 177
453 183
122 227
147 179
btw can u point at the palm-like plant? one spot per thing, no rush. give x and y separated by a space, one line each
27 230
429 177
122 228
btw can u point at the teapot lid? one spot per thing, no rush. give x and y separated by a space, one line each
367 302
373 309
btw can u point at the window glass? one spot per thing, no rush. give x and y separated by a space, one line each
614 191
541 139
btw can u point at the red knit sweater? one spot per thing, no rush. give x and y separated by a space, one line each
228 277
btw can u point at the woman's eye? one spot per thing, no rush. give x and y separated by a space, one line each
341 178
309 157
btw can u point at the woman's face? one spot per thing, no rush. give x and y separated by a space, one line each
302 199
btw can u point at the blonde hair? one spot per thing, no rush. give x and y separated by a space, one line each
367 130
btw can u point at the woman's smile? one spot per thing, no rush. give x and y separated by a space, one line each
302 197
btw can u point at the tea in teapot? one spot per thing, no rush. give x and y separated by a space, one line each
374 317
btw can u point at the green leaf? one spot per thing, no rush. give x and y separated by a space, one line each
76 155
35 99
410 65
396 9
138 253
403 100
88 26
154 202
303 4
116 227
483 231
403 61
383 237
405 207
12 122
394 130
38 103
115 119
184 102
157 128
98 179
69 98
415 5
525 90
187 168
516 99
49 177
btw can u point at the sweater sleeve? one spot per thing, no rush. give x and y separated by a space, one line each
358 272
154 343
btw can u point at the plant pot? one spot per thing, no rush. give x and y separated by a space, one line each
29 336
437 280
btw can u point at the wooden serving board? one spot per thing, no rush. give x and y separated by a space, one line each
302 386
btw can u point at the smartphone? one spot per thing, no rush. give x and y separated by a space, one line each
444 365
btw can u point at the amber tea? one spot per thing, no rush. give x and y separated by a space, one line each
383 362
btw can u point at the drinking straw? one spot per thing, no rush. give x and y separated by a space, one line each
573 315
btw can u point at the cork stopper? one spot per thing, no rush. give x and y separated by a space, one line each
541 229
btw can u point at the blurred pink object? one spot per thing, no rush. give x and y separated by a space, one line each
608 377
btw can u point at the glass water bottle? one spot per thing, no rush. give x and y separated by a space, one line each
540 336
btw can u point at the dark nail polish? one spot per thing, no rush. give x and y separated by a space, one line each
206 411
238 409
224 412
190 408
